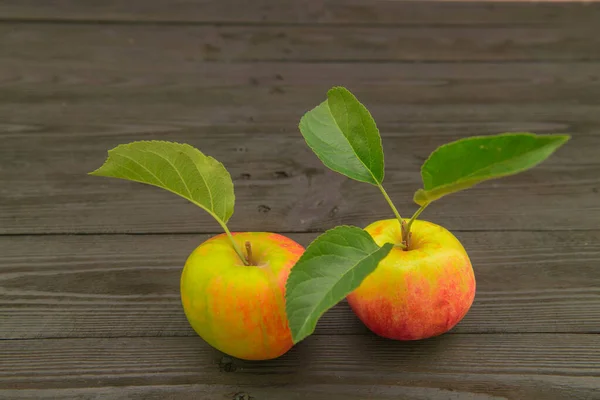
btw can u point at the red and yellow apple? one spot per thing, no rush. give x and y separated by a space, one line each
419 292
240 309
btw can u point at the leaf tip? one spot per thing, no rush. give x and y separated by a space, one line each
340 91
334 89
98 171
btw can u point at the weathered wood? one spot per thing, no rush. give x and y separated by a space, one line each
107 286
310 44
126 91
280 186
513 366
99 75
421 388
307 12
98 90
99 316
126 79
245 392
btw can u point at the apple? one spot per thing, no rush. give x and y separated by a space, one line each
418 292
402 284
236 308
234 300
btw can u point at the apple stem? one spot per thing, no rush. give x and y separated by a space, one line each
249 253
233 242
406 234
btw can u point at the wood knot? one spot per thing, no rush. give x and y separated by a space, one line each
276 90
242 396
263 208
281 175
226 365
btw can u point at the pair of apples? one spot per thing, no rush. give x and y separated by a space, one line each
414 293
402 284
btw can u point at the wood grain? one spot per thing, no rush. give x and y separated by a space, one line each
515 386
81 78
509 366
280 186
111 286
64 107
96 316
305 44
82 91
372 12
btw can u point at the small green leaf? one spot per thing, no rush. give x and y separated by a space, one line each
178 168
332 266
461 164
344 136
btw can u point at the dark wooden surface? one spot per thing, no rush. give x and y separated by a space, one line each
89 267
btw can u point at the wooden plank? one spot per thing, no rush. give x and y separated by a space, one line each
123 79
243 392
424 389
307 12
63 108
280 186
123 87
576 42
112 286
510 366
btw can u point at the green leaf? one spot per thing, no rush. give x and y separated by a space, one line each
178 168
332 266
461 164
344 136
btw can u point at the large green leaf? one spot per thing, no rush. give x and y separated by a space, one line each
332 266
178 168
461 164
344 136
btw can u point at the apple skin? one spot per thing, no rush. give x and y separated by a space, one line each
419 293
240 309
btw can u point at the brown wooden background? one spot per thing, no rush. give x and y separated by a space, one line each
89 267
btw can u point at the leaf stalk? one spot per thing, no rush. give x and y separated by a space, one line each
415 216
237 248
389 201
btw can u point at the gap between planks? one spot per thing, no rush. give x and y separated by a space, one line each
317 231
366 333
